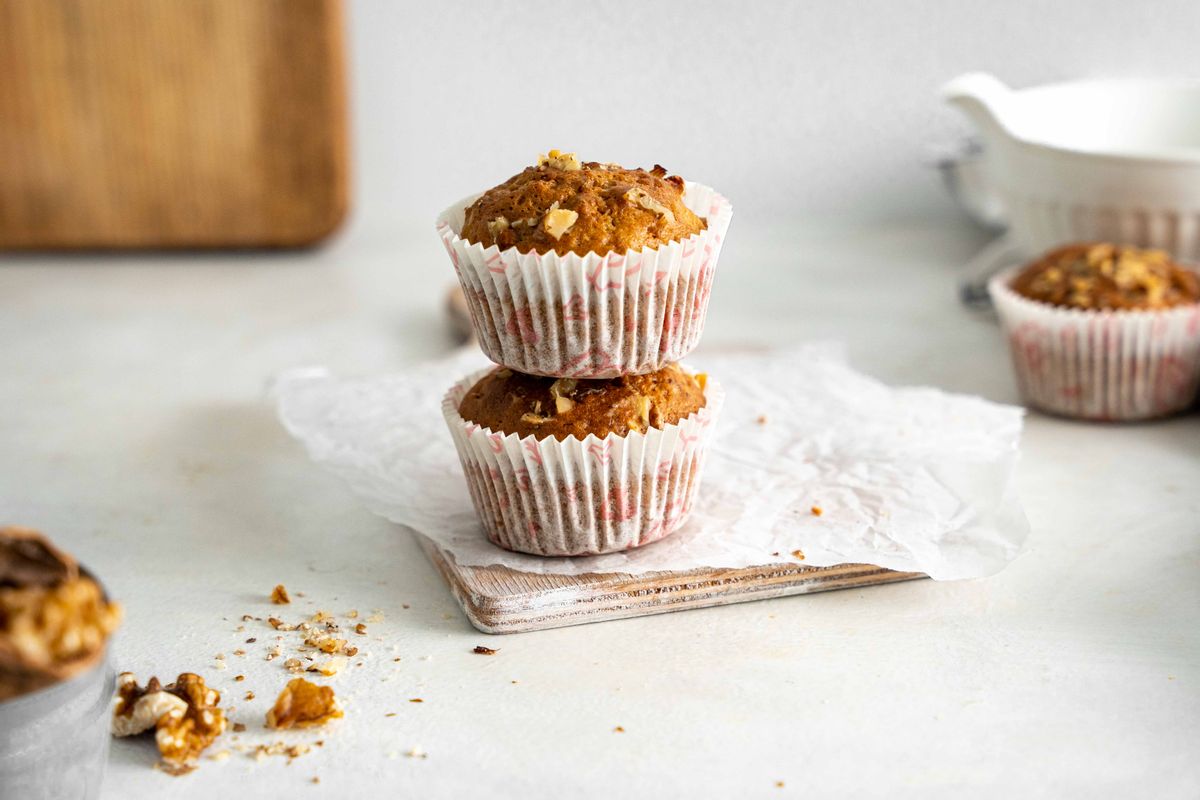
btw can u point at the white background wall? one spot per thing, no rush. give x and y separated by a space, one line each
821 107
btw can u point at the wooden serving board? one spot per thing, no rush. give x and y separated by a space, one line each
502 600
171 124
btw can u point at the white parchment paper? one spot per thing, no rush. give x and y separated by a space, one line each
909 479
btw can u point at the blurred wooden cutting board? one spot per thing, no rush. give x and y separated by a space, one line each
164 124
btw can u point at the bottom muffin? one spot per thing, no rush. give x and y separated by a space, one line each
544 482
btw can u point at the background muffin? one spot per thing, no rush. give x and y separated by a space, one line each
566 206
1102 331
531 405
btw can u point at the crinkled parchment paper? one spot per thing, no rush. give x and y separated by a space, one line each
909 479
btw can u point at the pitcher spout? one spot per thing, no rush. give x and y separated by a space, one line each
984 99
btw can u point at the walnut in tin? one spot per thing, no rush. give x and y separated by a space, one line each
55 619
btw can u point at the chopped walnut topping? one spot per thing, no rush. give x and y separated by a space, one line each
798 555
360 629
294 665
645 406
325 643
640 197
558 220
497 226
303 704
559 160
483 651
279 595
279 624
816 511
561 390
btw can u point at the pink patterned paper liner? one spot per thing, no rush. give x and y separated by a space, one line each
582 496
593 316
1100 365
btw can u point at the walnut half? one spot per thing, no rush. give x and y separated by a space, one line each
184 715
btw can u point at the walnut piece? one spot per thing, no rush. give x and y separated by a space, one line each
182 735
558 220
303 704
559 160
280 596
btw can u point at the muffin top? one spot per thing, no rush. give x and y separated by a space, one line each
54 619
565 206
512 402
1107 276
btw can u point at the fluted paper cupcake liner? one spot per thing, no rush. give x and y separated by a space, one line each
582 496
593 316
1100 365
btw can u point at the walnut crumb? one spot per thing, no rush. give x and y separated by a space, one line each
798 554
618 729
360 629
280 596
483 651
816 511
329 667
762 419
415 700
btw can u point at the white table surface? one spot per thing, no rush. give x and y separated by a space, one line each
134 430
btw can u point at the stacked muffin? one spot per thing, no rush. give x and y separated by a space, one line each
586 283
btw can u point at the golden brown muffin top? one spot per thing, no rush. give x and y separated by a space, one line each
566 206
1107 276
532 405
54 618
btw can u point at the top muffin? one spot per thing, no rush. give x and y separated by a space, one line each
565 206
1102 276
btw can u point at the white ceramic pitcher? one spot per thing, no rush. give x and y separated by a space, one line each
1115 160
